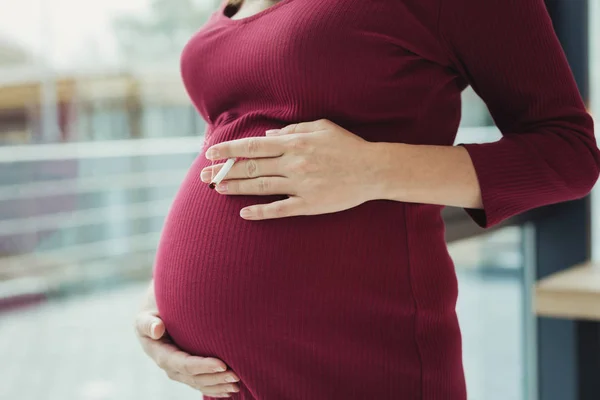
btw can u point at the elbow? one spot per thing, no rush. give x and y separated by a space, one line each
586 185
580 156
592 175
587 172
595 174
593 161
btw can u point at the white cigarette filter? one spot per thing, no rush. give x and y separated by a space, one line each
222 173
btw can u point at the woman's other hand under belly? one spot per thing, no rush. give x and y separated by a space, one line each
208 375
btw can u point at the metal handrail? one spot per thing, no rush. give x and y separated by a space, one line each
88 216
90 184
100 149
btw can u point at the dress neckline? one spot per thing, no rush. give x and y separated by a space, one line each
249 18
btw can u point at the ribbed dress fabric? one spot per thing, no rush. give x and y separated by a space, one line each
360 304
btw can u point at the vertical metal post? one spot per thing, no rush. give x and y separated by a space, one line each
49 129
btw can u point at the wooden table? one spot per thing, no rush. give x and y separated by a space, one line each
573 294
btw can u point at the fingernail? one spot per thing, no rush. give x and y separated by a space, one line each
234 389
219 369
272 131
212 154
246 213
206 175
231 379
222 187
153 328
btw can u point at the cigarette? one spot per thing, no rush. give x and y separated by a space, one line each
221 175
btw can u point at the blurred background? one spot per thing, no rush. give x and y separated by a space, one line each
97 132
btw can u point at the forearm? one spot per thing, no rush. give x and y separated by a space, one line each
442 175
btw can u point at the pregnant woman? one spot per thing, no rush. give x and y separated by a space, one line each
318 268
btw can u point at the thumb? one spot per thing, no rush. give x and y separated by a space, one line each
274 132
150 325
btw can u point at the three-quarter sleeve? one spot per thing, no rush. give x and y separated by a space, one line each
508 52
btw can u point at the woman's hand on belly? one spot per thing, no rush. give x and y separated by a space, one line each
208 375
322 167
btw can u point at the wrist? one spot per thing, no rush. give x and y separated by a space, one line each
384 175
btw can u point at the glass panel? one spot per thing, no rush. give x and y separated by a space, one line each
474 110
491 312
111 73
96 133
476 125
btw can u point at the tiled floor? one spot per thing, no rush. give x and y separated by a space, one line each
83 347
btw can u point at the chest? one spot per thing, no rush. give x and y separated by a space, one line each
339 58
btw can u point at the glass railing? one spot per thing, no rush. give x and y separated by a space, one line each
77 214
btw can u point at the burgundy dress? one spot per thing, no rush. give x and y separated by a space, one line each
360 304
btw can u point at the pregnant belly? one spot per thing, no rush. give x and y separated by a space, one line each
216 272
299 286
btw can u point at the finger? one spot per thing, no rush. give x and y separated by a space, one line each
262 186
278 209
222 378
170 358
274 132
157 350
187 364
205 389
157 329
245 169
253 147
302 127
220 389
149 325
